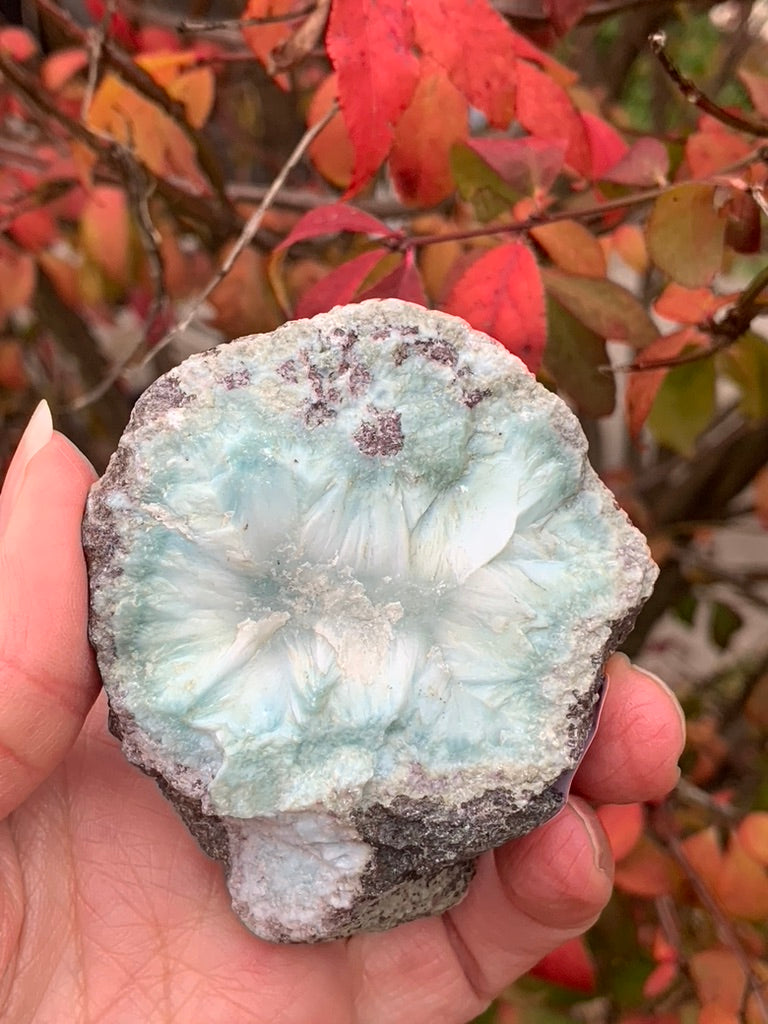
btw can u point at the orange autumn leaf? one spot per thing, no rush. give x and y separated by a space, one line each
157 140
571 965
753 835
434 121
332 151
263 39
719 978
13 374
643 385
689 305
742 885
660 978
193 87
704 854
629 243
623 824
105 231
647 870
571 247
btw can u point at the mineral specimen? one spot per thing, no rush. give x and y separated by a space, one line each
353 584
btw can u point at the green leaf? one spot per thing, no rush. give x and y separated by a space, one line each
604 307
683 406
686 234
574 356
746 363
723 623
489 1017
479 184
685 609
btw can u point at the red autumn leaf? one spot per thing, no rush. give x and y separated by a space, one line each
570 965
403 283
17 43
330 220
643 386
564 14
34 230
545 110
502 294
369 43
435 120
689 305
707 152
646 163
605 144
623 824
61 66
339 286
476 47
743 230
572 247
119 28
753 835
757 87
659 980
527 164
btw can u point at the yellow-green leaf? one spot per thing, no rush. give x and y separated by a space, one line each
686 234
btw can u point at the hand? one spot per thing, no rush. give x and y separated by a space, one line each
110 914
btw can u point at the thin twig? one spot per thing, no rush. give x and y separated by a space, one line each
94 40
226 24
693 94
663 825
243 241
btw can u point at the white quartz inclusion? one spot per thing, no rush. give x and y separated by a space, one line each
314 621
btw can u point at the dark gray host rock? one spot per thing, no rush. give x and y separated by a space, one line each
353 585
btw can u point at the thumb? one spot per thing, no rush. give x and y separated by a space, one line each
48 677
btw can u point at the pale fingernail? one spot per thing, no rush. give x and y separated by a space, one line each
667 689
601 850
37 434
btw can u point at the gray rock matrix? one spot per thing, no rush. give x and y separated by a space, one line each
353 586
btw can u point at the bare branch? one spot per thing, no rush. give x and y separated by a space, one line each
95 38
691 92
212 25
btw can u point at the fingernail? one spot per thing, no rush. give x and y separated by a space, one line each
601 851
37 434
669 692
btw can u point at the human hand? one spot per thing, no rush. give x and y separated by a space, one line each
110 914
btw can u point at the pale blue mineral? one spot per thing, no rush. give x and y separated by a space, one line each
353 584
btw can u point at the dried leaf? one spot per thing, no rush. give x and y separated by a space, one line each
605 307
370 46
502 294
686 233
435 120
572 247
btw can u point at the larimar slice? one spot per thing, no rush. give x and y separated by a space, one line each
353 584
